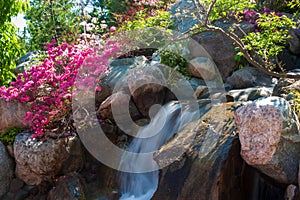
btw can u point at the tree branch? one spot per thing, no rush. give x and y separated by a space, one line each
248 57
209 11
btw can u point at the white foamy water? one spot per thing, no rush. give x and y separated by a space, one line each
142 184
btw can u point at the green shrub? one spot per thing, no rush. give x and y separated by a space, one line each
161 19
9 135
175 61
270 37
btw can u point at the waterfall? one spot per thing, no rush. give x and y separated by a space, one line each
139 176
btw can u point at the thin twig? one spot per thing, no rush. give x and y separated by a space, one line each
209 11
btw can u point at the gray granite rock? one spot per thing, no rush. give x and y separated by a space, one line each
38 161
248 77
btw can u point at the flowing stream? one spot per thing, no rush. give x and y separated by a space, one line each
140 180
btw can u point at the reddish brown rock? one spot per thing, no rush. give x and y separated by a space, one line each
269 135
124 107
146 85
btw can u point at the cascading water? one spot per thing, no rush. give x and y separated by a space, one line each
143 182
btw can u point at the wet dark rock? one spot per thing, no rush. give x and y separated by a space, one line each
8 196
16 184
21 194
68 187
100 181
6 170
211 158
294 40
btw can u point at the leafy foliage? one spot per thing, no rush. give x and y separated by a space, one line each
8 136
11 46
161 19
52 20
225 8
270 36
175 61
11 8
296 102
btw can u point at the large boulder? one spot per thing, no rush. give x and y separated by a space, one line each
12 114
210 160
38 160
289 60
219 47
6 170
269 135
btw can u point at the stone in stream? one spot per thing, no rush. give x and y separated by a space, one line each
269 135
291 193
146 85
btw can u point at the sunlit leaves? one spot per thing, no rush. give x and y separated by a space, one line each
225 8
270 37
11 47
48 20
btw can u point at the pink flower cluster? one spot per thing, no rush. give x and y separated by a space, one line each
251 16
48 87
147 6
